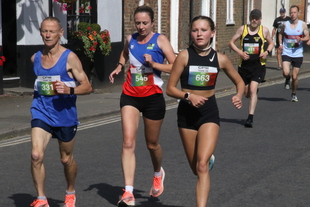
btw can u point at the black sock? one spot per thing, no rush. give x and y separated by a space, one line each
250 117
287 80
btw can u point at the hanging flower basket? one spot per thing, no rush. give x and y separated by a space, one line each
91 39
67 1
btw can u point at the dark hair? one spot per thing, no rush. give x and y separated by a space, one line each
208 19
53 19
145 9
294 6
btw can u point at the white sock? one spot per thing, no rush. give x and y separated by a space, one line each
157 174
129 188
70 193
41 197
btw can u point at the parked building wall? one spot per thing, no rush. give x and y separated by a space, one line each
119 22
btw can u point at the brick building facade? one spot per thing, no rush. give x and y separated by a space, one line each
172 19
189 9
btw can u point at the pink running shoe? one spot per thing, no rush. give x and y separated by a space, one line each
158 184
39 203
70 200
127 199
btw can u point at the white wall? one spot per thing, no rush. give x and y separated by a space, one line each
269 13
110 16
62 16
30 14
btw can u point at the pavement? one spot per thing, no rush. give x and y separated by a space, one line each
16 102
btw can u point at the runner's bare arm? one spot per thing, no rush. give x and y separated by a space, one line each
166 47
122 60
75 69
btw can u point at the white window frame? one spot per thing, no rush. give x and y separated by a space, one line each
230 12
308 12
250 8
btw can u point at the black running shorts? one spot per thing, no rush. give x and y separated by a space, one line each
190 117
255 73
152 107
296 62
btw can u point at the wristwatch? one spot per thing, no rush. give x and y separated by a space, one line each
268 52
71 90
186 95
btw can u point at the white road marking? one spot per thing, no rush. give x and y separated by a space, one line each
116 118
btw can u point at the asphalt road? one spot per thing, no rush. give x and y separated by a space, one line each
266 166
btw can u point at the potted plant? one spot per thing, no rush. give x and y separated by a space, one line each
2 60
91 38
65 1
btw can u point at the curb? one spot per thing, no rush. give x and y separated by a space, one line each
169 101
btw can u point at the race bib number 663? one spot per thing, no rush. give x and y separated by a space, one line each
202 75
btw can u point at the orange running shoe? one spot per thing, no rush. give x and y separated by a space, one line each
39 203
158 184
70 200
127 199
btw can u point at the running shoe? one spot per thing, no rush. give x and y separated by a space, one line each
248 123
70 200
158 184
127 199
294 98
39 203
211 162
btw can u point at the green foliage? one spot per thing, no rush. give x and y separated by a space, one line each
82 26
93 39
96 27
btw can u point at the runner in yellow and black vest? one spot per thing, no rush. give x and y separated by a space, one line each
253 54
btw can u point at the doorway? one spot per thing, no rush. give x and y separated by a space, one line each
9 38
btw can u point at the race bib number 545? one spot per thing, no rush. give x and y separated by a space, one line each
46 85
142 76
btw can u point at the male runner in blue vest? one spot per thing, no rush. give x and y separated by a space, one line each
60 77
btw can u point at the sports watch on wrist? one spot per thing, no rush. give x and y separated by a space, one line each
186 95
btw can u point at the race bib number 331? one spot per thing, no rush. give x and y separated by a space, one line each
46 85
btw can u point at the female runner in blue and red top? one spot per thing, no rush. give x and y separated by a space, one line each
142 93
198 117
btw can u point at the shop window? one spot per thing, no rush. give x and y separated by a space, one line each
80 11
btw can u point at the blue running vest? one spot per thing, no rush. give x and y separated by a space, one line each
142 80
57 110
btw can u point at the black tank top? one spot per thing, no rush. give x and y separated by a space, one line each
253 44
201 71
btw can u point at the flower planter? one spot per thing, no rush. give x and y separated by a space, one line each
67 1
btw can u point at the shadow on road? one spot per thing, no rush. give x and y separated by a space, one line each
21 199
272 99
113 193
303 89
236 121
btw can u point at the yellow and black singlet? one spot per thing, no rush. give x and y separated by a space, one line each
254 45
